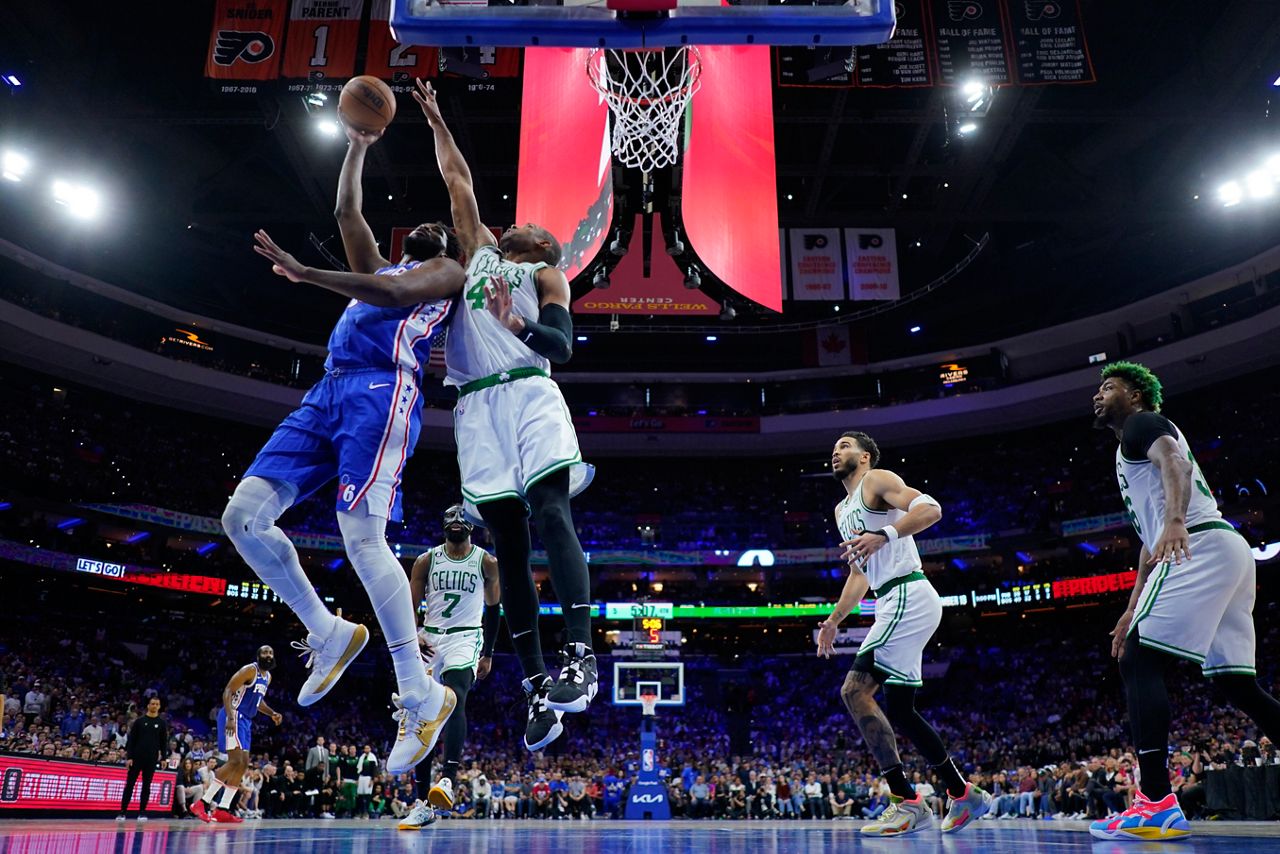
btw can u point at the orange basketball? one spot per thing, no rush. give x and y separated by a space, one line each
367 104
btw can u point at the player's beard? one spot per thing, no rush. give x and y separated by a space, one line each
422 246
456 537
265 664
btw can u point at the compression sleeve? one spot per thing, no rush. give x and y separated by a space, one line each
551 335
490 622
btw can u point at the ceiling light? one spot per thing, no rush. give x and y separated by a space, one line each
80 201
968 127
712 338
327 127
12 80
1260 184
1231 193
15 165
914 330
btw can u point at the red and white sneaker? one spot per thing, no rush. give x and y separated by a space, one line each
1145 821
200 812
226 817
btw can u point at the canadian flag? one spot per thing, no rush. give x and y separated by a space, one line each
833 346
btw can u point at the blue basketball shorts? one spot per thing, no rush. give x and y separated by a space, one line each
243 736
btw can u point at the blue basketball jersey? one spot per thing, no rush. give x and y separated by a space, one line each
367 336
247 697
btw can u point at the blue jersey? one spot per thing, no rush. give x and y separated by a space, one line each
367 336
246 699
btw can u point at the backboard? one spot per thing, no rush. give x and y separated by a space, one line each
630 678
616 24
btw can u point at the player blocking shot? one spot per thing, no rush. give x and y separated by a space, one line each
517 449
877 519
1193 597
359 425
461 586
242 699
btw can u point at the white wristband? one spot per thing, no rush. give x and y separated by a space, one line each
890 532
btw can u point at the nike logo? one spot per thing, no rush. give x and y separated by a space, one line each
379 385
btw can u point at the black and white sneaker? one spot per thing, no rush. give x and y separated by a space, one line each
543 725
578 684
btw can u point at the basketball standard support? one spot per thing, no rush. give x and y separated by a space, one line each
647 797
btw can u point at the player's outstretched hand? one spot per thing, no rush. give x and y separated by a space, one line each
282 263
826 639
363 138
497 298
1119 633
425 95
1174 545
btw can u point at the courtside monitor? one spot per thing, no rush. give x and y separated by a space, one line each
640 23
632 678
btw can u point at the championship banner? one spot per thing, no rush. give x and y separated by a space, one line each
904 60
322 40
74 786
245 43
969 40
816 272
389 60
872 259
1048 42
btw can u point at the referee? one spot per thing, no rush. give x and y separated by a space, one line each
147 740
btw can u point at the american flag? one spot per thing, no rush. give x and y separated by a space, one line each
436 358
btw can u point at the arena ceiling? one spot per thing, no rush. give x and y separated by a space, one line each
1088 192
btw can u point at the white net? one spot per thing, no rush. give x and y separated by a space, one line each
648 704
647 92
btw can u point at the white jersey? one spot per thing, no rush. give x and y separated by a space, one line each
1143 494
478 345
455 590
895 559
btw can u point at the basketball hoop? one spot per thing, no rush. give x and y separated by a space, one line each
647 92
648 705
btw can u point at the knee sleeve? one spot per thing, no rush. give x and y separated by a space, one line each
254 508
383 577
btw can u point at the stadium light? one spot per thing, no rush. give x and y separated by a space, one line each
12 80
968 128
14 165
1260 183
913 330
81 202
327 127
1231 193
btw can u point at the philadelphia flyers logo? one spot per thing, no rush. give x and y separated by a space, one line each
1037 9
251 47
964 10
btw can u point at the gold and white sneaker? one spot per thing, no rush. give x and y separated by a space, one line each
419 817
901 817
327 657
441 794
419 730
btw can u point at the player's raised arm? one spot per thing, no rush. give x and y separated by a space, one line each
435 279
491 618
357 237
470 230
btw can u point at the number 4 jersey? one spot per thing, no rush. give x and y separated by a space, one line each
1140 483
455 590
478 345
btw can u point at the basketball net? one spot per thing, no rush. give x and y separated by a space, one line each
647 92
648 705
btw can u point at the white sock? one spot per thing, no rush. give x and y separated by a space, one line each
388 588
250 522
211 793
228 795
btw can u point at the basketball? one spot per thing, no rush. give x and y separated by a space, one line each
367 104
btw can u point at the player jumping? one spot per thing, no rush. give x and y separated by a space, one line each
517 449
359 423
877 519
1193 597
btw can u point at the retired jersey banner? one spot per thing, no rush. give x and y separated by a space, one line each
480 63
1048 42
388 59
872 259
322 40
816 270
246 41
969 40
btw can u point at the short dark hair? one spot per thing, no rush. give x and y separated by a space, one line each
866 443
552 253
1140 379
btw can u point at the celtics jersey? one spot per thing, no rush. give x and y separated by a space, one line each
1143 493
894 559
478 345
455 590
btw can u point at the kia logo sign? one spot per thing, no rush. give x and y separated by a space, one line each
648 799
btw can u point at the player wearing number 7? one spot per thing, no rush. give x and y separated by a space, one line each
460 584
517 449
1193 597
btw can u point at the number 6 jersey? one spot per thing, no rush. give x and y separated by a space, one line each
478 345
455 590
1140 483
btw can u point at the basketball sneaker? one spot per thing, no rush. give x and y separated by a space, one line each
226 817
327 657
1149 821
543 725
901 817
419 817
199 811
577 685
441 794
973 805
420 727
